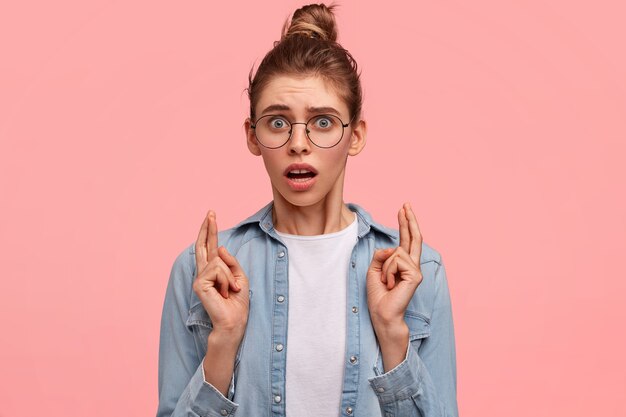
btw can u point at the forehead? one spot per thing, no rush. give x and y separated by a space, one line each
300 93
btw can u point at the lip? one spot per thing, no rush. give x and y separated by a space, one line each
300 185
299 166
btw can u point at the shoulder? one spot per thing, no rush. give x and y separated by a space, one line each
388 237
392 238
183 272
431 263
232 239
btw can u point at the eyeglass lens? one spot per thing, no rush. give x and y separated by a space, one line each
324 130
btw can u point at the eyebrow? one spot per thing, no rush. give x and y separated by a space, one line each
283 107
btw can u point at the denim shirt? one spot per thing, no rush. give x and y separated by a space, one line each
423 384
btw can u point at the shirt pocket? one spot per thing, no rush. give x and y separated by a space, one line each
419 327
200 325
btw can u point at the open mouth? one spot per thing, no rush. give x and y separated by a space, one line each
300 175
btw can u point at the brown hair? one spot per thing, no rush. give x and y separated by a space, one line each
308 47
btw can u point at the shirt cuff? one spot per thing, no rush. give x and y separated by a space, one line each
231 387
401 382
206 400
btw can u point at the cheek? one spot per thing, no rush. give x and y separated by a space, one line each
271 163
339 159
341 155
335 162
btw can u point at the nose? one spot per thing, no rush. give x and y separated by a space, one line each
299 141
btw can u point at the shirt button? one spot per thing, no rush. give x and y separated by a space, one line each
353 359
277 398
355 309
224 412
281 298
267 225
281 254
348 410
380 389
353 264
279 347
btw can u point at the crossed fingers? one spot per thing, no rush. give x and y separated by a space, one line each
410 236
214 261
404 261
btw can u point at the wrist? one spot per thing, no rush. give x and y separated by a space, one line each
391 332
393 341
225 339
219 360
391 325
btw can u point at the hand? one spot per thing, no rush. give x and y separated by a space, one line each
221 284
394 273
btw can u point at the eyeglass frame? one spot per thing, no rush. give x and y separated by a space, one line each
343 129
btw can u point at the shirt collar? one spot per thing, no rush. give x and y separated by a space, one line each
264 218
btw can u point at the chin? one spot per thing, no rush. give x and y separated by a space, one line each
300 199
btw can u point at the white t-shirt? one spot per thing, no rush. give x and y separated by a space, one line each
316 329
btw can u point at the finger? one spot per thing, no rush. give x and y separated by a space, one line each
411 279
234 269
383 278
407 283
230 261
232 279
212 236
201 250
205 286
385 267
221 279
379 257
392 269
416 236
405 236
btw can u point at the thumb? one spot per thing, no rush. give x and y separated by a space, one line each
379 257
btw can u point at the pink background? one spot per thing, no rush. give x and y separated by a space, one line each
504 123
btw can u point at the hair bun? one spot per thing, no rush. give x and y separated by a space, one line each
313 21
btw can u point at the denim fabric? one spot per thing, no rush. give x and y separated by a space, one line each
424 384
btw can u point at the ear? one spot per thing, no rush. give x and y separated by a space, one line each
251 141
358 138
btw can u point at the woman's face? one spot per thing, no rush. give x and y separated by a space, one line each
297 100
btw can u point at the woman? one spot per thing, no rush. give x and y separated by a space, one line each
295 311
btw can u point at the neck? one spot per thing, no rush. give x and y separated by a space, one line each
328 215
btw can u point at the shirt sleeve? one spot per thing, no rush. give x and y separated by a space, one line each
424 383
183 390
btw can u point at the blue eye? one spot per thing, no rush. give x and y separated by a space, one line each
324 122
277 123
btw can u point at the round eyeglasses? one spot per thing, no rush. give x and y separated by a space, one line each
324 130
